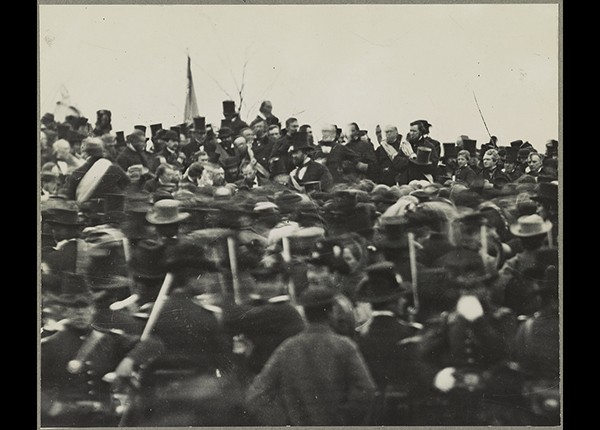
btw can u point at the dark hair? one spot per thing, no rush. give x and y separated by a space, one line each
289 121
423 126
273 126
162 168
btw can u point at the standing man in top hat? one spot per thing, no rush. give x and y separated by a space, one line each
307 170
232 118
197 137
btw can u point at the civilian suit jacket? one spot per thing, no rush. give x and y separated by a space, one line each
115 180
315 172
316 378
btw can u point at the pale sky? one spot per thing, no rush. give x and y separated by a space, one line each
370 64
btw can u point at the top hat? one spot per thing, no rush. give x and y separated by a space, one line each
176 129
114 207
74 291
382 284
171 135
450 150
530 225
63 216
154 128
316 297
512 154
199 123
394 231
423 156
546 191
120 137
148 260
141 128
229 107
300 140
166 211
470 145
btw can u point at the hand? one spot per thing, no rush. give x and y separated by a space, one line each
413 156
362 167
445 380
125 368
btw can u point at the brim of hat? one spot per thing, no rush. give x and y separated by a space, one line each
391 244
420 163
367 298
515 230
543 198
151 218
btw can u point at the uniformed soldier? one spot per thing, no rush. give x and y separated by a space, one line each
74 361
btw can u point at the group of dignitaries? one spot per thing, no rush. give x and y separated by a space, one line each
252 275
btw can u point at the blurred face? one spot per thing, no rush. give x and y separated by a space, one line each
350 260
319 276
488 162
241 145
79 317
249 173
259 129
413 134
218 176
226 141
61 232
293 127
461 160
267 109
298 157
391 133
62 151
534 163
203 158
170 176
350 131
282 179
328 134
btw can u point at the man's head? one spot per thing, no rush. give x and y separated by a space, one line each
534 161
329 133
167 173
62 149
292 126
137 140
490 159
418 129
241 145
172 140
317 303
266 108
352 131
298 157
274 133
202 157
226 137
92 147
260 129
249 172
391 133
248 134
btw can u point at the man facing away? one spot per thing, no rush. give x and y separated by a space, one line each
315 378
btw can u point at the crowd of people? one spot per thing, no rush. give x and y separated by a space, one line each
251 274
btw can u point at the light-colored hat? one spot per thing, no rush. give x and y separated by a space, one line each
530 225
166 211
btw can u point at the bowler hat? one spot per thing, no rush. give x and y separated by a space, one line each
546 191
171 135
166 211
316 297
423 156
300 140
199 123
74 291
229 107
382 284
530 225
225 132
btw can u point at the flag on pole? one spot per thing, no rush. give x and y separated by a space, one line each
191 104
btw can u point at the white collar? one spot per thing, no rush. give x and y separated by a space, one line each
379 313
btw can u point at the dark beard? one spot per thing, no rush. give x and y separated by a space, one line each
413 139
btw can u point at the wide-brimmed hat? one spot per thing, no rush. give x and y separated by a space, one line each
546 191
166 211
381 284
530 225
423 156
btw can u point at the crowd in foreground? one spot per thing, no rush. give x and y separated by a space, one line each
251 275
